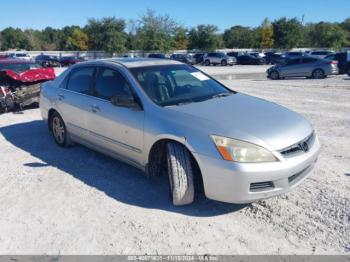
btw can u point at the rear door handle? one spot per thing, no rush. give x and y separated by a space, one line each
94 108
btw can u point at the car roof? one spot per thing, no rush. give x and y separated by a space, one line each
138 62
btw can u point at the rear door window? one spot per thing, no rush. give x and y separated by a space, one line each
80 80
110 83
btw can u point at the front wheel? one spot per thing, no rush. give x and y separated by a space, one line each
274 75
224 63
207 63
59 130
180 174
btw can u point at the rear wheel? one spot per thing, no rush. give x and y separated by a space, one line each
318 74
180 174
274 75
207 62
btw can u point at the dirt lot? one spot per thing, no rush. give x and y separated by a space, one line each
77 201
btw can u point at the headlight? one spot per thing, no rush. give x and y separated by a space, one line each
240 151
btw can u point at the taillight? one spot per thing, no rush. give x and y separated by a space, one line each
332 62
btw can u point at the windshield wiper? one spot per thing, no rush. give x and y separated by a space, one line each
221 95
181 103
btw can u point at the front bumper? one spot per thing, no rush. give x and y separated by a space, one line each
247 182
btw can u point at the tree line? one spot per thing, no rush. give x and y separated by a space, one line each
160 32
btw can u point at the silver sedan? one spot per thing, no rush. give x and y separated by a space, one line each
304 66
168 118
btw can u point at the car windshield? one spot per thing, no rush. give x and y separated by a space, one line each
170 85
19 68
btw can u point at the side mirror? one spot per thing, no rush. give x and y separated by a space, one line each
125 101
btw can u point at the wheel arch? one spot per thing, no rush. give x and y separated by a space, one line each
49 115
157 153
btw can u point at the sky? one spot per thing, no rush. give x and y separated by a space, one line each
38 14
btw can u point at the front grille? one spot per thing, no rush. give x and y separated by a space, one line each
261 186
299 148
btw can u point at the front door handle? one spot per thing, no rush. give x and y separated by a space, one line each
60 97
94 108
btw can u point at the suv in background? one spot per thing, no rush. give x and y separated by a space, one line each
48 61
293 54
159 56
197 58
343 60
20 55
184 58
321 54
218 59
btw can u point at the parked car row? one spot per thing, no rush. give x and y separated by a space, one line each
46 60
55 61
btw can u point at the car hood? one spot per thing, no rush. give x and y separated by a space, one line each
251 119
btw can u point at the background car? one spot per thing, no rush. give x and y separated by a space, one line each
343 60
235 54
184 58
321 54
304 67
20 55
218 58
71 60
257 54
293 54
48 61
250 60
20 82
158 55
198 58
275 58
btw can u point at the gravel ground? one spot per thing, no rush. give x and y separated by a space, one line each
77 201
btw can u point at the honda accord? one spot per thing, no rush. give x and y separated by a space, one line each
166 117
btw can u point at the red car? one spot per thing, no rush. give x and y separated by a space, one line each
71 60
20 83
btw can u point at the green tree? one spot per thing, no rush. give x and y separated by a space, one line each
205 37
239 37
288 33
329 35
266 33
181 39
14 38
106 34
79 40
156 32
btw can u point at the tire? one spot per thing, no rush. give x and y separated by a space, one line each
180 174
59 130
349 72
318 74
224 63
207 62
274 75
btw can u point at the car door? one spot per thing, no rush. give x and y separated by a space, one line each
119 130
74 98
292 68
308 64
